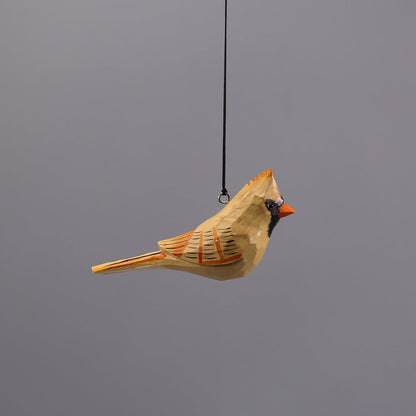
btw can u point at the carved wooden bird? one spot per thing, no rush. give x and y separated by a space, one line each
226 246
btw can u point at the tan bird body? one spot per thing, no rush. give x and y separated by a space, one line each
226 246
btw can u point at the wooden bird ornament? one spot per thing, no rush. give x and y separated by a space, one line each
226 246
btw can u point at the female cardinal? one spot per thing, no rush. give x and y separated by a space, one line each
226 246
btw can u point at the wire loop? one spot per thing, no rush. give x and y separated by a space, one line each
222 195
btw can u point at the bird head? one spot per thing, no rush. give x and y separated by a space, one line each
262 200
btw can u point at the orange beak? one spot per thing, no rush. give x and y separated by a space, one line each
285 210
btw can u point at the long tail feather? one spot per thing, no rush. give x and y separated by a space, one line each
144 260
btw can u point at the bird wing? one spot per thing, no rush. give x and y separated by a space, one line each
208 247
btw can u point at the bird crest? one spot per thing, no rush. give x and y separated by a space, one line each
263 185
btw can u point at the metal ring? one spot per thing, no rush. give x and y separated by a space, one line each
220 199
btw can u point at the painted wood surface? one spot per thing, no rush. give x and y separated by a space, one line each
228 245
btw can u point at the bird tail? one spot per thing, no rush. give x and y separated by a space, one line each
152 260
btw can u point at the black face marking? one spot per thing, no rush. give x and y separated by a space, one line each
274 208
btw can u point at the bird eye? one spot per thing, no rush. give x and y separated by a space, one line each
269 204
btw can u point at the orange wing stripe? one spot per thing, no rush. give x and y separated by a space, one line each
177 245
200 246
217 243
222 261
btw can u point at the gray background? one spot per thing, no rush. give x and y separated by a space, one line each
110 140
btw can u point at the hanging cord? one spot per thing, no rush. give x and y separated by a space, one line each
224 196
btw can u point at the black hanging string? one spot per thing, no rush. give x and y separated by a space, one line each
224 196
